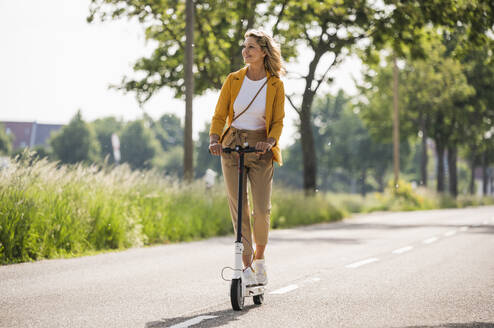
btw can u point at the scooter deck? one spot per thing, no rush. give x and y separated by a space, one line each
254 290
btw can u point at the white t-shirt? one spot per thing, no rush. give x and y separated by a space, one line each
255 117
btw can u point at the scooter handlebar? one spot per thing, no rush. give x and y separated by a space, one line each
239 149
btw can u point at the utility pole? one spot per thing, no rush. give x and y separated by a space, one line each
396 125
189 91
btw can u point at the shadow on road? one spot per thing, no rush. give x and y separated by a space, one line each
458 325
222 317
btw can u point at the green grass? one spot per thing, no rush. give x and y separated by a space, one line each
52 211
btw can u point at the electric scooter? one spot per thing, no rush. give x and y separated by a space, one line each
238 289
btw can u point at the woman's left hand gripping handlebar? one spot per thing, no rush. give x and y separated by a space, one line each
264 146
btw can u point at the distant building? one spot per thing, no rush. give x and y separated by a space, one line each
30 134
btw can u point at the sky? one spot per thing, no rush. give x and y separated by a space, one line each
53 63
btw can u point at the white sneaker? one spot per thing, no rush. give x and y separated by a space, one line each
249 277
261 274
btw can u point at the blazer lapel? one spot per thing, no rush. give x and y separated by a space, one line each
270 93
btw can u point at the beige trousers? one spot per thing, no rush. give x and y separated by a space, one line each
259 171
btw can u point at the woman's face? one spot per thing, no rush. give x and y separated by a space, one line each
252 52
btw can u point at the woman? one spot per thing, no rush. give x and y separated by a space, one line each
251 102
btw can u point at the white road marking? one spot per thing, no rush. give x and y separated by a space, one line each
360 263
463 229
193 321
430 240
284 290
402 250
450 233
313 279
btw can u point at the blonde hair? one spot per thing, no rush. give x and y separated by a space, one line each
272 61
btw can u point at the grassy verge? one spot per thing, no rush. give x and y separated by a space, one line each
47 211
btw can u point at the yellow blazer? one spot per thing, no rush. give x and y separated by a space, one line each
275 107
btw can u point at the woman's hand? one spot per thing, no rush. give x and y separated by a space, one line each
215 148
263 146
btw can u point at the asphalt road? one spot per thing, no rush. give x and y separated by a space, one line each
414 269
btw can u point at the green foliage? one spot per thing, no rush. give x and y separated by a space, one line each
293 208
75 142
138 145
104 128
348 157
168 130
478 67
405 28
218 31
5 142
173 161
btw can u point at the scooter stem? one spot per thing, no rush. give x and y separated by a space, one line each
239 247
240 192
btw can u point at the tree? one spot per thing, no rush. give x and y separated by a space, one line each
433 91
104 128
5 142
329 30
447 97
376 110
403 31
189 91
478 67
75 142
138 145
341 142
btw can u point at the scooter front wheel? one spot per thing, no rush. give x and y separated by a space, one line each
259 299
236 296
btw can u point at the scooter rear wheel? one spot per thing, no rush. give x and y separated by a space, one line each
258 299
236 296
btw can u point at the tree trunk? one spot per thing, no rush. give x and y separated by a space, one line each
363 178
189 93
472 176
306 136
424 159
440 166
484 174
453 174
380 180
396 124
308 148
